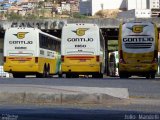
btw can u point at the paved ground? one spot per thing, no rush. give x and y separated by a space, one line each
137 87
76 99
130 112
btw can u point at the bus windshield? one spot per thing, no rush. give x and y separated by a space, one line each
138 41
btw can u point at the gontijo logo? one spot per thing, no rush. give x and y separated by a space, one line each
20 35
137 28
80 31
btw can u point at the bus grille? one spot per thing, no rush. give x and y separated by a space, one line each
138 45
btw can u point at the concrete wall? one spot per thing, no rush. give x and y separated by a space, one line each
52 24
126 14
142 13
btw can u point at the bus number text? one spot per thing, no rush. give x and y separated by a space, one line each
80 46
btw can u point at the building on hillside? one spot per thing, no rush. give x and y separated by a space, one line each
6 6
74 5
155 7
153 4
48 5
65 7
14 9
142 5
136 4
90 7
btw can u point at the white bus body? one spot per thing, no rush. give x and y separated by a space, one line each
82 50
30 51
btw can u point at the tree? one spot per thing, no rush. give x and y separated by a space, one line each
13 16
78 15
31 17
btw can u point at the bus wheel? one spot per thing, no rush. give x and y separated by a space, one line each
147 76
123 75
74 75
60 75
38 75
42 75
97 75
20 75
100 75
153 76
47 71
68 75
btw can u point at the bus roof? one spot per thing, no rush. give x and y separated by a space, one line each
31 29
81 24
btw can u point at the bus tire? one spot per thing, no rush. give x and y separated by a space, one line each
68 75
147 76
74 75
123 75
47 71
153 75
97 75
100 75
38 75
42 75
18 75
60 75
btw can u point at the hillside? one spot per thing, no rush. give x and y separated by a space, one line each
108 13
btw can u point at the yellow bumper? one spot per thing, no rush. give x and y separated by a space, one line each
138 67
20 68
80 68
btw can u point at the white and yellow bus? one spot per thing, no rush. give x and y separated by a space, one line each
138 49
30 51
82 50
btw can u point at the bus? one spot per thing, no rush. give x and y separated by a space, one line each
30 51
138 49
113 63
82 50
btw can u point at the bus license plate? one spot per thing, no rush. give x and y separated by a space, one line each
21 61
82 60
138 67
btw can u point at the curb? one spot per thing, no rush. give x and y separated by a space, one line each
40 94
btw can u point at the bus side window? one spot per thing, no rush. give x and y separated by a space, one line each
52 44
58 46
46 43
55 45
42 41
49 43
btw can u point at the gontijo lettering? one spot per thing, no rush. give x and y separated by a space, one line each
80 39
20 42
149 39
